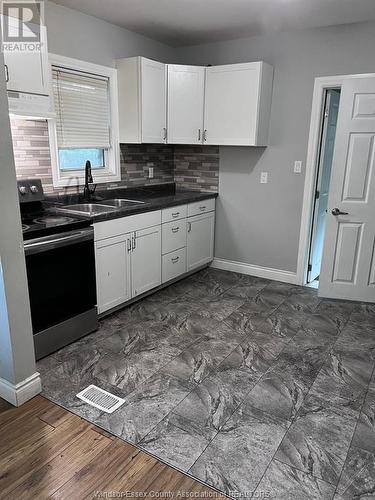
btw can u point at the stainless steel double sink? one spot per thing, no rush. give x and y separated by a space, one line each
105 206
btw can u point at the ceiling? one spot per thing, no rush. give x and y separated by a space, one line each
187 22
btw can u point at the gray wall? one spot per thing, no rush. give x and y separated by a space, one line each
257 223
17 360
73 34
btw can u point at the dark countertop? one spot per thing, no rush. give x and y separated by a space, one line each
155 197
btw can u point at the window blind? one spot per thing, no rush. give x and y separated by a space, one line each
82 109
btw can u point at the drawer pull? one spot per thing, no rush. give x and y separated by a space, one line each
176 214
175 260
189 227
175 229
202 208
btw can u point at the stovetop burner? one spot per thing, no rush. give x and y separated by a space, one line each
39 217
53 220
40 222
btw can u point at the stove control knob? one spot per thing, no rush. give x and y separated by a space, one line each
23 190
34 189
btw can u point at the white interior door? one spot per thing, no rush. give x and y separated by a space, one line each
154 101
324 175
185 104
348 266
146 260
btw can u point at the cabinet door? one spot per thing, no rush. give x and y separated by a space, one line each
200 240
112 272
27 71
185 104
231 104
153 101
146 260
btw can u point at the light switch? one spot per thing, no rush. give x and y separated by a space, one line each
150 172
264 177
297 167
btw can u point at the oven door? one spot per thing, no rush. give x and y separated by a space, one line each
61 278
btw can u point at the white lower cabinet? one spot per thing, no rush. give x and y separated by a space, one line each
112 272
145 260
128 258
173 236
200 240
174 264
136 254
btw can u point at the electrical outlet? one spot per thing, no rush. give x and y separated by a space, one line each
150 172
297 167
264 177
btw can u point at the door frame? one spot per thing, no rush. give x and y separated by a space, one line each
321 84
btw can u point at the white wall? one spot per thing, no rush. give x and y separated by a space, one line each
17 361
257 223
73 34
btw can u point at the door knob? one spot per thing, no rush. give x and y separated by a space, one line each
337 211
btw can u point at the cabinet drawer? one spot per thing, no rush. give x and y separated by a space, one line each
174 264
173 213
123 225
201 207
173 235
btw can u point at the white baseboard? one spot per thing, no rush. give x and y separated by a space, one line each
18 394
259 271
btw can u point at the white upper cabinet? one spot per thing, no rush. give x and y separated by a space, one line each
176 104
238 104
185 104
27 72
142 85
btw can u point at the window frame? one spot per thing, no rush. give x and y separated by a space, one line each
112 171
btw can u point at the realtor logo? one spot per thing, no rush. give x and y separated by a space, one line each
21 25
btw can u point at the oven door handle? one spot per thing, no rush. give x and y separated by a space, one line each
52 242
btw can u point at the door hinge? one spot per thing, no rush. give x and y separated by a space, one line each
317 194
309 268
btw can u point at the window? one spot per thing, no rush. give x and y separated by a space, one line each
86 123
74 159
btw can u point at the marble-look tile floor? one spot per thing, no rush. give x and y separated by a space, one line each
257 388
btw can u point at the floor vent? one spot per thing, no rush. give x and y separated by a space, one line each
103 400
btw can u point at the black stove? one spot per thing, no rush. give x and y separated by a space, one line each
37 220
60 264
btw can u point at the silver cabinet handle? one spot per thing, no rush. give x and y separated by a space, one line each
176 214
175 229
189 227
202 208
199 135
133 241
205 135
164 133
129 247
6 73
175 260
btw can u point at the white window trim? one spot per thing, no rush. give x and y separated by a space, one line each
113 171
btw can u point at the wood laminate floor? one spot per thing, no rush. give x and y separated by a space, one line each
48 452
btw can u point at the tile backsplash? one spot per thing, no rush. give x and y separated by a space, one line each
190 167
136 160
196 167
